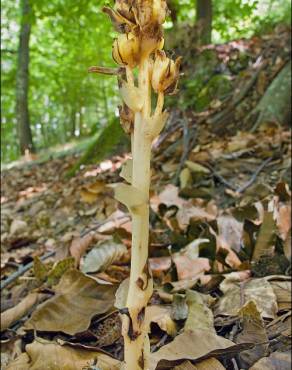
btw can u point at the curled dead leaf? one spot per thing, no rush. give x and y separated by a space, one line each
78 298
188 268
102 256
43 354
79 246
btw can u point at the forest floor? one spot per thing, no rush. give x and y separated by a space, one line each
220 251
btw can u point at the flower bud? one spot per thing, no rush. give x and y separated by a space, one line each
150 12
126 50
165 73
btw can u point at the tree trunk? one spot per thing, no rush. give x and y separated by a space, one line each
22 80
73 122
173 11
204 21
275 105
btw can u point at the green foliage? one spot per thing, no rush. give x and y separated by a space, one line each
68 37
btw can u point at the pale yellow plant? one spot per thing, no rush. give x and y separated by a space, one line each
139 45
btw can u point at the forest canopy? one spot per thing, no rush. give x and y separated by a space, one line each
64 38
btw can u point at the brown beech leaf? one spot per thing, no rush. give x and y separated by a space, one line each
237 293
161 315
102 256
79 246
209 364
15 313
78 298
90 193
266 239
159 264
282 289
189 211
253 331
193 345
199 315
41 355
284 227
189 268
169 197
276 361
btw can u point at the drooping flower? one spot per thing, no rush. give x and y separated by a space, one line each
165 73
126 50
150 13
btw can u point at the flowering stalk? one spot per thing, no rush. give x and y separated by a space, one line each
139 45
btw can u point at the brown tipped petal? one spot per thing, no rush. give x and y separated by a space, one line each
120 23
124 7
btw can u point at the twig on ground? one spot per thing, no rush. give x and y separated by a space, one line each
22 269
221 179
254 176
160 343
244 186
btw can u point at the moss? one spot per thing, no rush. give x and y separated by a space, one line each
217 88
104 144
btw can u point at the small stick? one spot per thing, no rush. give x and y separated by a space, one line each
254 176
24 268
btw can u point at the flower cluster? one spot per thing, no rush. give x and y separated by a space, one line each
139 23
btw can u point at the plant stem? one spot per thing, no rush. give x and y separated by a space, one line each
135 329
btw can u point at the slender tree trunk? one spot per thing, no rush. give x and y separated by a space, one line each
204 21
22 80
173 11
73 122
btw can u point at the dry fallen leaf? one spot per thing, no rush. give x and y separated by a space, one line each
209 364
282 288
90 193
284 227
237 293
161 315
193 345
199 315
45 355
188 268
253 331
276 361
79 246
78 298
266 239
196 167
159 264
102 256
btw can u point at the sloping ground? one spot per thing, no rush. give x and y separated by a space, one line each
220 248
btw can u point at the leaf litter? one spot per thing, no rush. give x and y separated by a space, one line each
220 252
